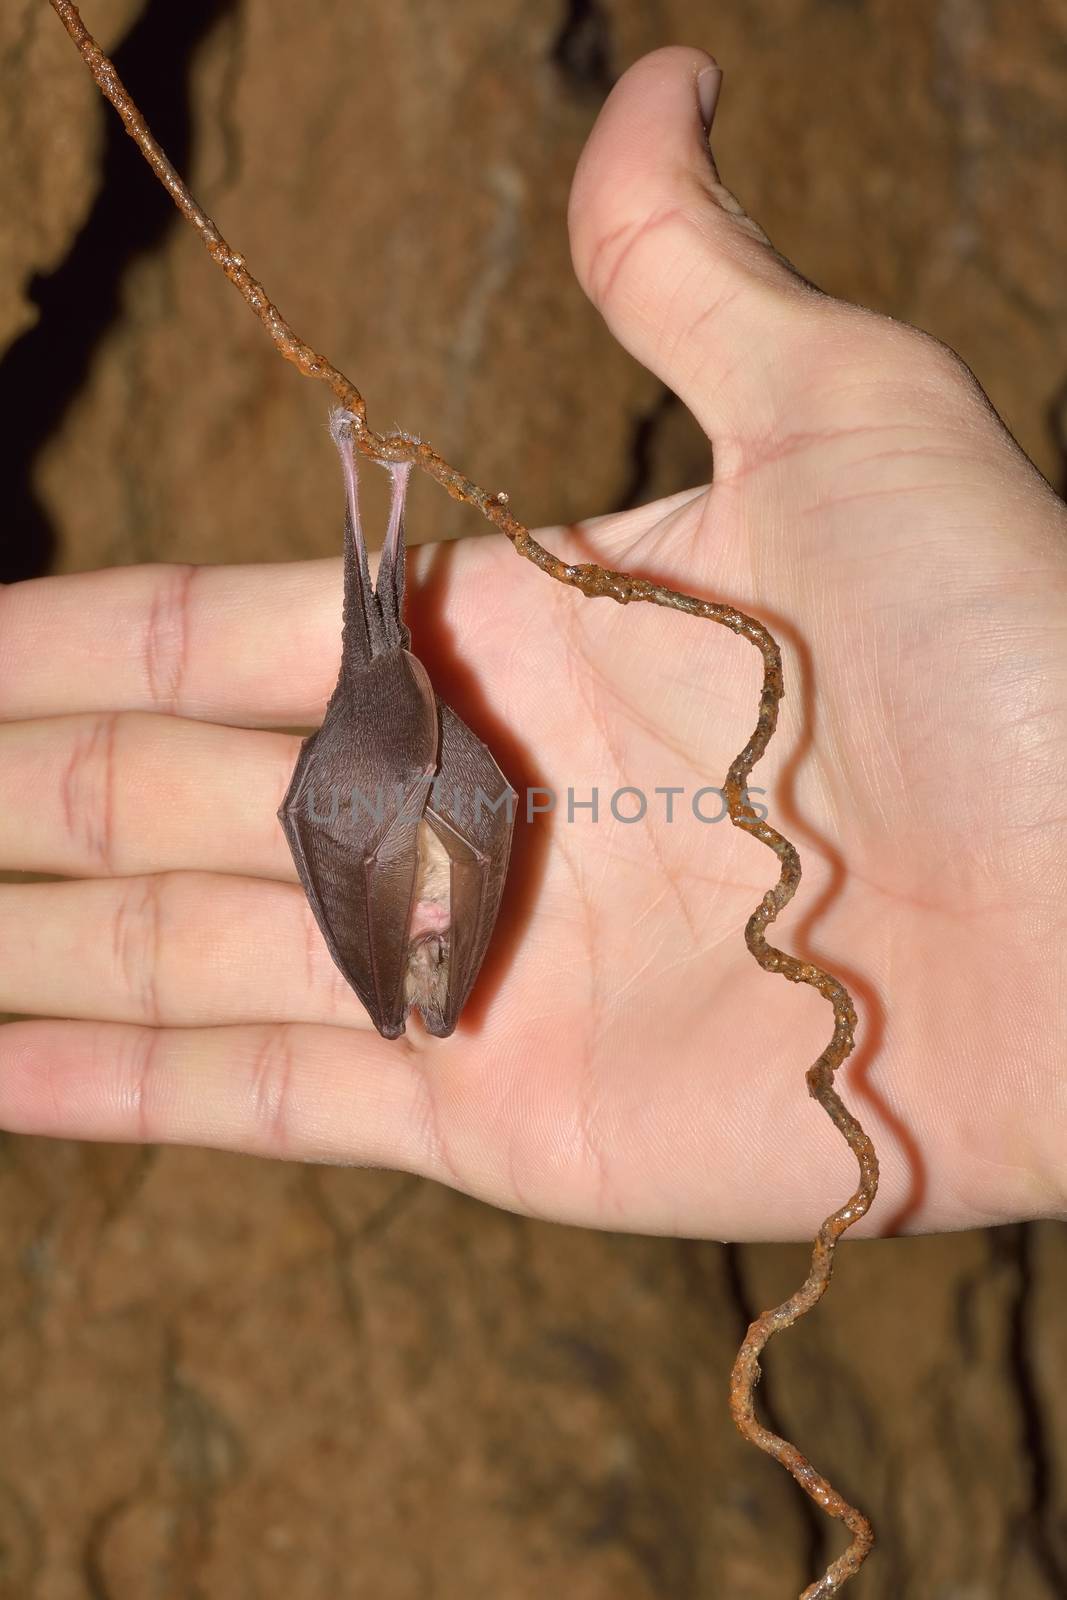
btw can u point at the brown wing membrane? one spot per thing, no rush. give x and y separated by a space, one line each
351 816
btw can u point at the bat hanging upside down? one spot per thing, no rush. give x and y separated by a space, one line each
398 818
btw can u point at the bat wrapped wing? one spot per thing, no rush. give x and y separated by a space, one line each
471 811
401 847
398 818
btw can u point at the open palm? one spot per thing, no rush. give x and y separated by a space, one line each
623 1061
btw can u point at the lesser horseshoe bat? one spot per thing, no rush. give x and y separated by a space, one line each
398 817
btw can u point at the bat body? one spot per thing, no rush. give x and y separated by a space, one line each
398 818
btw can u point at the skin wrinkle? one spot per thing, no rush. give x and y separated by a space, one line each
519 1193
107 835
136 944
672 881
154 917
881 745
166 637
572 867
659 535
66 789
647 911
600 721
684 959
146 1045
593 1159
667 354
932 452
953 913
647 725
157 889
889 491
271 1087
517 643
52 755
631 233
574 640
128 615
749 449
662 541
756 451
589 1147
90 771
595 1013
592 1151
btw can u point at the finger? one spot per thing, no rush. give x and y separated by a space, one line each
100 795
296 1091
180 949
687 283
255 645
258 645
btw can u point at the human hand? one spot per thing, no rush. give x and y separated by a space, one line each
625 1064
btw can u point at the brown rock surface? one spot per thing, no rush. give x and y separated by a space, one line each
230 1378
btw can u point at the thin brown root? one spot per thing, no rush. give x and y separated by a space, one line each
602 583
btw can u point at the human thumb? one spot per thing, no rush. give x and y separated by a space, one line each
685 280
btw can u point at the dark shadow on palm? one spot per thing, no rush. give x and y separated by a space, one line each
456 682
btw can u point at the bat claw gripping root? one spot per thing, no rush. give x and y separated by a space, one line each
398 818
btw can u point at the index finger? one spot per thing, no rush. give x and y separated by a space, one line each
255 645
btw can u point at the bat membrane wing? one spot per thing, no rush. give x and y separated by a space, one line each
351 817
470 811
398 818
362 904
